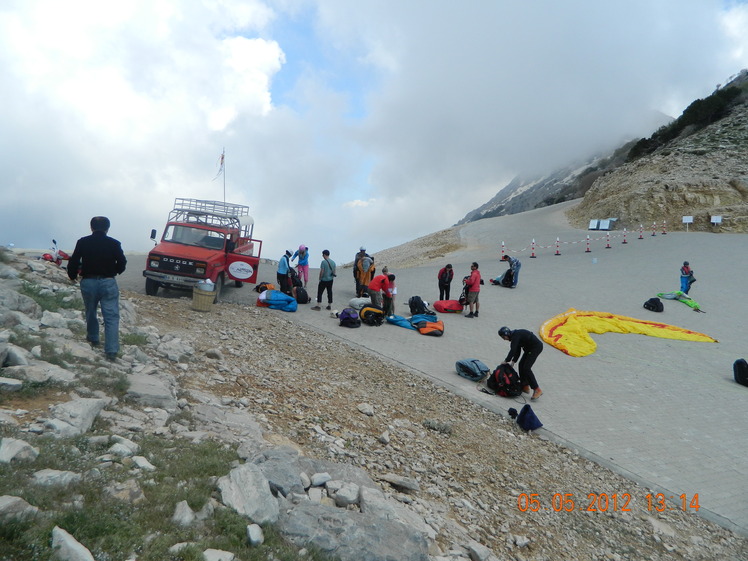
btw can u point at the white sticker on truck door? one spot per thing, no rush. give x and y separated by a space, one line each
240 270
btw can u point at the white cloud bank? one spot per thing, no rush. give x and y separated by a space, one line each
344 123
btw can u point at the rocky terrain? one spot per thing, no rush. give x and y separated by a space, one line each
364 459
702 175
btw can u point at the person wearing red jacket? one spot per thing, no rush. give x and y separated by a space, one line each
378 285
472 282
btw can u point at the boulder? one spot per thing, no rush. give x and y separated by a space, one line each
247 491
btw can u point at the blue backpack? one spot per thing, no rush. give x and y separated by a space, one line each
472 369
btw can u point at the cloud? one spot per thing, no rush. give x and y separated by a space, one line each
353 204
343 123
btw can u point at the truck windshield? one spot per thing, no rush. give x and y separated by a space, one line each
198 237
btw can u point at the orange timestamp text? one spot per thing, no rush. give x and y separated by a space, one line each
606 502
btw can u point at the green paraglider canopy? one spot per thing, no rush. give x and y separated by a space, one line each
681 297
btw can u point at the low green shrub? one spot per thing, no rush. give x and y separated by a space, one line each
49 300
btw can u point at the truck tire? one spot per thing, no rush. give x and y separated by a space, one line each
218 289
238 284
151 287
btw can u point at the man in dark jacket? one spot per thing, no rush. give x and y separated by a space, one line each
445 276
523 340
100 259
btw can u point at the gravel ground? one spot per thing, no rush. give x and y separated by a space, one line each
475 468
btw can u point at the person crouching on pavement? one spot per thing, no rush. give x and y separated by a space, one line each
515 265
379 287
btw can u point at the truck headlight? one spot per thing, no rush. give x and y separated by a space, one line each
154 264
200 270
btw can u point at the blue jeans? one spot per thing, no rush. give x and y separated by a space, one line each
684 286
515 271
104 292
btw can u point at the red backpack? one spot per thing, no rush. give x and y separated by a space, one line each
505 381
448 306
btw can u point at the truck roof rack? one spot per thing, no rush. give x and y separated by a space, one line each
213 213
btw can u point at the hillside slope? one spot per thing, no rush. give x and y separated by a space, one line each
692 166
701 175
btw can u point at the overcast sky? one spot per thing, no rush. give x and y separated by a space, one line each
344 123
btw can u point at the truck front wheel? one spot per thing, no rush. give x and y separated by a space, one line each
151 287
219 288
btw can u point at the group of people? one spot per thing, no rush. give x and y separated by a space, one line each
98 258
379 288
327 272
523 342
472 283
525 346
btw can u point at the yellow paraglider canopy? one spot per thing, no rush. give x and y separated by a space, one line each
569 332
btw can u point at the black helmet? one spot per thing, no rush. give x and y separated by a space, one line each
505 332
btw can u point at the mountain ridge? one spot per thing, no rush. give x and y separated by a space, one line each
693 165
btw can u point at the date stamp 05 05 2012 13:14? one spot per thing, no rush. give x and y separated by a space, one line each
604 502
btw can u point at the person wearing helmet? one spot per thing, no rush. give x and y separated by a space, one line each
356 273
523 340
686 277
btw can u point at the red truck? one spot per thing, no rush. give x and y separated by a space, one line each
204 240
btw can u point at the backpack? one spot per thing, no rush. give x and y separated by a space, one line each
417 306
263 286
371 315
507 279
349 318
740 371
400 321
654 305
527 419
358 303
463 297
295 280
422 318
433 328
302 296
448 306
505 381
472 369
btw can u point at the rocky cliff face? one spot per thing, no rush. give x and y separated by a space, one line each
701 175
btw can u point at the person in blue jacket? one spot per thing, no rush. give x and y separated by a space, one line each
686 277
284 273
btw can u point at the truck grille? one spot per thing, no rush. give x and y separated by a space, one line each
177 265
